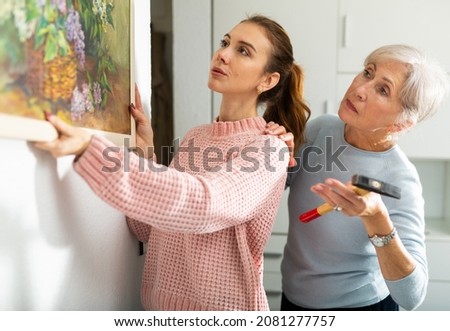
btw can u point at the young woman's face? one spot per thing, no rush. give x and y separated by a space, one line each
372 101
237 67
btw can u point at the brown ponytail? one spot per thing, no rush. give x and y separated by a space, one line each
288 108
284 102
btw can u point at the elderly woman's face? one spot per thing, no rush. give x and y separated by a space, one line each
372 102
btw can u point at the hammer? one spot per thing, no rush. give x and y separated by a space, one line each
362 186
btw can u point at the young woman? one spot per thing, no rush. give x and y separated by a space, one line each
208 216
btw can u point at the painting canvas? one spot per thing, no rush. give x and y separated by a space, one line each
72 58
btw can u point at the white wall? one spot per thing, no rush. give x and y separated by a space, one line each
61 247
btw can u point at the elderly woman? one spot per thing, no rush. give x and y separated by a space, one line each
370 253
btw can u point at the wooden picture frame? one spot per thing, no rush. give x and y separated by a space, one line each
71 59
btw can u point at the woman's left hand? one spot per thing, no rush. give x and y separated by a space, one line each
336 193
369 207
280 131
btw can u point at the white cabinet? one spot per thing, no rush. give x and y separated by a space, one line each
429 139
438 246
365 25
311 26
437 296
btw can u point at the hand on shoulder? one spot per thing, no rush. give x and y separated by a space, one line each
275 129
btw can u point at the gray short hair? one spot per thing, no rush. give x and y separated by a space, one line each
426 84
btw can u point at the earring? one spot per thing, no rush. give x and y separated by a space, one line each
259 89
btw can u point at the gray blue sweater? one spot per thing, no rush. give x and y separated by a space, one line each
330 262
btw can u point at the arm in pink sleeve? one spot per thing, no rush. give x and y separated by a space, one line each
177 201
139 229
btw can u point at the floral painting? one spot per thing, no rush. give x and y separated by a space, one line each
68 57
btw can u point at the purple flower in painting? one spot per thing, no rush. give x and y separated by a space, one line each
86 96
75 34
77 107
82 100
61 5
97 93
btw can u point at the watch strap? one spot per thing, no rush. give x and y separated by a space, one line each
380 241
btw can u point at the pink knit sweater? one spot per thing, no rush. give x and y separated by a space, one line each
206 218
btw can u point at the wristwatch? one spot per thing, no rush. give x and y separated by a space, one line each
380 241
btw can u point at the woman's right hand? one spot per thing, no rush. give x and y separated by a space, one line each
71 140
144 131
280 131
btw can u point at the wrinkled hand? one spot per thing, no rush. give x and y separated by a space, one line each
144 131
336 193
71 140
280 131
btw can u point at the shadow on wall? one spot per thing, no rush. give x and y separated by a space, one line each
62 247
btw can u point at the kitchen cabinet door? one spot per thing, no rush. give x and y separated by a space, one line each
365 25
431 138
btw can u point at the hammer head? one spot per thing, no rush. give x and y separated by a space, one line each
375 185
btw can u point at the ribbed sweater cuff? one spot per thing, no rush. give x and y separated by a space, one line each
98 156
